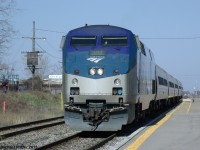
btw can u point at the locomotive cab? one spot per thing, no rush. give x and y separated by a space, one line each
96 63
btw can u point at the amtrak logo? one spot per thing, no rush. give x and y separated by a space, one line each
95 59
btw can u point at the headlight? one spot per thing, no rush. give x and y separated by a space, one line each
92 71
117 81
115 91
119 91
100 71
74 91
74 81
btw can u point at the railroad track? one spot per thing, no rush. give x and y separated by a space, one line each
62 137
100 139
17 129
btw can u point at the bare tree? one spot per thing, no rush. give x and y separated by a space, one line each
46 69
6 29
56 69
43 66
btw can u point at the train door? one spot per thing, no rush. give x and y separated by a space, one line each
139 72
154 85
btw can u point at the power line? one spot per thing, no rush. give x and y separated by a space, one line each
51 46
44 51
51 31
171 38
190 75
53 56
47 52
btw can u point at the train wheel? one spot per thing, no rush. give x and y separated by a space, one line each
139 113
157 106
143 115
152 109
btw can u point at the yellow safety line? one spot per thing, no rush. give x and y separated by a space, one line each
189 107
139 141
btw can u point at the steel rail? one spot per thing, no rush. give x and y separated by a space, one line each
29 123
49 145
101 143
6 135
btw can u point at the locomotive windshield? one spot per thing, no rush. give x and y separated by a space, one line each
83 41
114 40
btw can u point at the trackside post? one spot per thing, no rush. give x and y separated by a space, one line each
61 101
4 106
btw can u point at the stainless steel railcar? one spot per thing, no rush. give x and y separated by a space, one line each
110 78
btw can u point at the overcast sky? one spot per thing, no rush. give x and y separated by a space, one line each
170 28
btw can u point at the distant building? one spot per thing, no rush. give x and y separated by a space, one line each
197 93
13 81
53 84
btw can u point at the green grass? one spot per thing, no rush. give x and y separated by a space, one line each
28 106
38 99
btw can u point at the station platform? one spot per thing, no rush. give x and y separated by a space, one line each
179 129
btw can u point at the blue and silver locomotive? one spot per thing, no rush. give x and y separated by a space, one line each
109 79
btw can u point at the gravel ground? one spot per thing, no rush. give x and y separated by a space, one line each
112 143
85 141
34 139
37 138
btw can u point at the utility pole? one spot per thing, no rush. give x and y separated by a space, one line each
32 57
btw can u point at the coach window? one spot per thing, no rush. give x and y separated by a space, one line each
165 82
171 84
83 41
160 80
142 48
150 54
114 40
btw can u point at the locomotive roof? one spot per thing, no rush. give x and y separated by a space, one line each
100 30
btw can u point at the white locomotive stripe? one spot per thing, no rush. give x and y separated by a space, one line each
95 60
91 59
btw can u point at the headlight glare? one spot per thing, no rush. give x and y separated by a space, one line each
92 71
100 71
